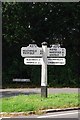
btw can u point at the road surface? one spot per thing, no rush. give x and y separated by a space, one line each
27 91
64 114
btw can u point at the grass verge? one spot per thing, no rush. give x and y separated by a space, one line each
25 103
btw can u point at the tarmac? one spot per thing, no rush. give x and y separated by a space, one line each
16 114
27 91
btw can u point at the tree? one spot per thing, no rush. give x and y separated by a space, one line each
50 22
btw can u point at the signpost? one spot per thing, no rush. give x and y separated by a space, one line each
31 51
50 61
34 55
32 61
56 52
44 71
56 61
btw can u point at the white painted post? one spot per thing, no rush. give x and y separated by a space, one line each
44 71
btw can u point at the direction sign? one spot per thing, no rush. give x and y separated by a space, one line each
31 51
43 56
55 45
32 61
50 61
56 52
56 61
34 51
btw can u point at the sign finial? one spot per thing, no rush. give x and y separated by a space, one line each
44 43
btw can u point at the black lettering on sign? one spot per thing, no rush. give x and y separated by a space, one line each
41 52
55 52
29 51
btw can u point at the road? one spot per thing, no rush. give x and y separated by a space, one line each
64 114
27 91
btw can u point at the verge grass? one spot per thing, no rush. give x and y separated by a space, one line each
25 103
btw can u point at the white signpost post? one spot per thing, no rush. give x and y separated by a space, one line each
34 55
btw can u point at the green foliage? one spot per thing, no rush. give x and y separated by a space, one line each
24 103
50 22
